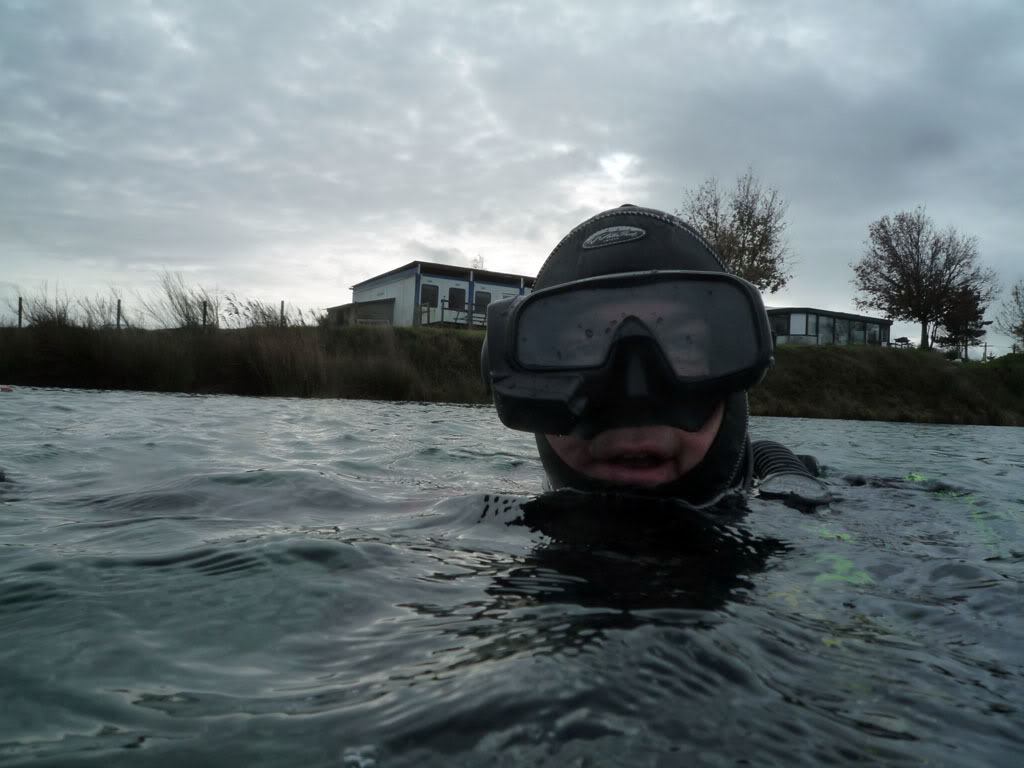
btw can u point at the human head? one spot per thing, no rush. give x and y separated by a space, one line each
633 423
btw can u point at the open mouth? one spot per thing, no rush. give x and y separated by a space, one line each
637 468
643 460
636 456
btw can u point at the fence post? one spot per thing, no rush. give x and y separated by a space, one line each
19 311
204 313
119 314
282 313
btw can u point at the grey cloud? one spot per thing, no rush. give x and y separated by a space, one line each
214 136
424 252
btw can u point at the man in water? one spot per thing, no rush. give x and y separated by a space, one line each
631 359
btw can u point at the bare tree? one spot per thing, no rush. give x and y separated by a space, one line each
913 272
746 227
1010 319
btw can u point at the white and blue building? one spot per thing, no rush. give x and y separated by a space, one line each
426 293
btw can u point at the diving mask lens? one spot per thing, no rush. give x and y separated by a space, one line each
704 327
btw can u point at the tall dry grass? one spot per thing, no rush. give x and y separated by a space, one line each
255 349
254 313
377 362
173 304
176 304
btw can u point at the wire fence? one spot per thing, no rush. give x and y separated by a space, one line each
180 305
177 305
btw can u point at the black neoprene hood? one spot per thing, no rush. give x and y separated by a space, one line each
631 239
627 239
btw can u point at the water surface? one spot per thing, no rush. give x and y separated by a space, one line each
271 582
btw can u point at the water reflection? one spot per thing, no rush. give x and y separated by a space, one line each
634 553
605 563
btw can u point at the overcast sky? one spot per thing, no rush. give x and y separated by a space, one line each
287 150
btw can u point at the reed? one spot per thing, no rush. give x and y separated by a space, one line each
377 362
442 365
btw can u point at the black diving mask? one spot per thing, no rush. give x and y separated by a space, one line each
626 349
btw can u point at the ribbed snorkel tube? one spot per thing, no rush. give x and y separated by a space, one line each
781 474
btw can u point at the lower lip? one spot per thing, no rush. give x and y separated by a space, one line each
620 474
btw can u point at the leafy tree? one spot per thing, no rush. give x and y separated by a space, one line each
911 271
963 323
746 227
1010 319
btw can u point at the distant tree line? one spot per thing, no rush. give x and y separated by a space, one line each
910 270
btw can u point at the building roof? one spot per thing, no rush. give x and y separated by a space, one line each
448 270
829 312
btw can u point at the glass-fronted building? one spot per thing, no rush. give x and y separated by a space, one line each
806 325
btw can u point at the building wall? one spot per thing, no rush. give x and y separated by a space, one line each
401 288
407 290
377 311
498 291
381 311
448 300
433 314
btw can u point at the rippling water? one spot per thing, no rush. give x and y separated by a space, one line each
230 581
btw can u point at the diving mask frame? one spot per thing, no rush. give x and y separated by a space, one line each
584 398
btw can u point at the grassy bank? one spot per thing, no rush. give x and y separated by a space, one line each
855 382
356 362
877 384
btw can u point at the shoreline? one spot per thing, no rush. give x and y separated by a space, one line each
443 365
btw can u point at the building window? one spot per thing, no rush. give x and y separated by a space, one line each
812 325
872 329
797 324
428 296
842 330
826 326
857 332
780 325
480 300
457 299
